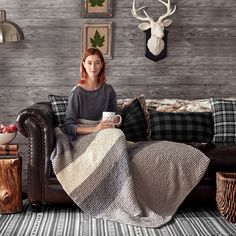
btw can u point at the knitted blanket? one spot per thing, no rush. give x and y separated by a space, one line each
142 185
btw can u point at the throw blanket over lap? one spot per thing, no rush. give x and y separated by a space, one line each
142 185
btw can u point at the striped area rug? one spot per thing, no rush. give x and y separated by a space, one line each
69 221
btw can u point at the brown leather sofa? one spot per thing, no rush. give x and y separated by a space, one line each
36 123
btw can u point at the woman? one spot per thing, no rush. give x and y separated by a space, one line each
104 178
90 97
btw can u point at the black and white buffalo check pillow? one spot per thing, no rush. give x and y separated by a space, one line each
181 126
224 116
59 105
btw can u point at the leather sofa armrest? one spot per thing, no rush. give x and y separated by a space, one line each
38 118
36 123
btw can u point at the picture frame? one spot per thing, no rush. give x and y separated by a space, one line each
96 8
99 36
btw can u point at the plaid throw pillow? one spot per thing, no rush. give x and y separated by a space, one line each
134 123
59 105
181 126
224 116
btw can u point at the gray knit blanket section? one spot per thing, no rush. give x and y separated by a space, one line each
142 185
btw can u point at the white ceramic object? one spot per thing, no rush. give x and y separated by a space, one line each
110 116
155 43
6 138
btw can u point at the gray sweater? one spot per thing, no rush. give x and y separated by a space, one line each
89 105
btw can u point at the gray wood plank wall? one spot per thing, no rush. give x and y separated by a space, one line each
201 59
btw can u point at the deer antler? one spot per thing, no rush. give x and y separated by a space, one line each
134 13
169 11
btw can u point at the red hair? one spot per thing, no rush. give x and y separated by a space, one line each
84 74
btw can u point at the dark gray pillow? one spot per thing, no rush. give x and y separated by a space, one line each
224 115
59 105
182 126
134 124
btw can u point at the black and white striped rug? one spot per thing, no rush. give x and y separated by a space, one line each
69 221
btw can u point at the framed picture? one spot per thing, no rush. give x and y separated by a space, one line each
98 36
96 8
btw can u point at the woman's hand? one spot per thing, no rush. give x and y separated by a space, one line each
88 130
103 125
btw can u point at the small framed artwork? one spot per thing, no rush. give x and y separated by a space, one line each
96 8
98 36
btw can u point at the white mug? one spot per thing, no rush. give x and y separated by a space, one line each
110 116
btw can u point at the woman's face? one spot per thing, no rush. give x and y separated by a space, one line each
93 65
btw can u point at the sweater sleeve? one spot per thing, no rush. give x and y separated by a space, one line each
72 113
113 101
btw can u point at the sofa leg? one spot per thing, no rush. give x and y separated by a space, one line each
36 206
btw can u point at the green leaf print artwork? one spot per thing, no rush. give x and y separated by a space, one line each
97 40
94 3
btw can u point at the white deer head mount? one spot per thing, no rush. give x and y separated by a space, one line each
155 43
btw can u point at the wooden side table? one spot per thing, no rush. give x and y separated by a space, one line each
10 185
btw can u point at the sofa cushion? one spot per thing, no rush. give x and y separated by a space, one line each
222 156
134 123
179 105
181 126
172 105
59 105
224 115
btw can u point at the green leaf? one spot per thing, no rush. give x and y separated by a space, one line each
97 40
94 3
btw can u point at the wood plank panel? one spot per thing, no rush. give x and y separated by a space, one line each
119 51
179 3
116 4
188 60
67 76
36 91
59 37
34 94
127 39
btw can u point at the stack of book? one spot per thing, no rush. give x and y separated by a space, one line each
9 151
